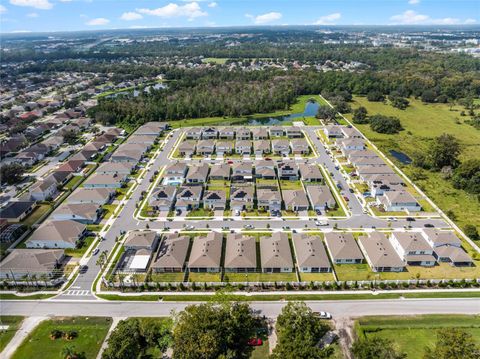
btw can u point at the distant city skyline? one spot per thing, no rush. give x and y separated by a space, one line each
74 15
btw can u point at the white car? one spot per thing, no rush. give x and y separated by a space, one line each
95 251
321 223
323 315
248 226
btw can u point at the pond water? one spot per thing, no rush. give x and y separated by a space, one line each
402 157
310 110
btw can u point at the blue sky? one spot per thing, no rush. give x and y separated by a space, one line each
72 15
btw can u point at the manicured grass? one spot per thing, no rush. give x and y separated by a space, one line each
130 298
108 210
259 277
36 214
204 277
216 60
442 295
167 277
73 182
316 277
422 122
6 335
201 212
10 296
347 272
91 333
295 185
413 334
442 271
79 252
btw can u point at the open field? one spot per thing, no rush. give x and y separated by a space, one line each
91 333
13 323
422 122
413 334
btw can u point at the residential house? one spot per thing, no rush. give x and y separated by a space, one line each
119 168
261 147
108 180
350 132
350 144
288 171
60 177
395 201
205 147
57 234
162 198
413 248
343 248
380 254
437 238
276 256
53 142
457 257
226 133
215 200
310 254
300 147
172 254
74 166
447 247
241 198
320 197
242 172
15 212
206 253
197 174
360 153
367 172
220 172
152 128
88 213
265 170
333 131
99 196
269 199
295 200
310 173
140 239
209 133
379 184
43 190
194 133
259 133
240 254
148 140
39 262
224 148
175 173
242 134
188 198
293 132
281 147
139 248
243 147
187 148
276 131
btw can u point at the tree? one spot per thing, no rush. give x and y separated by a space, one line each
69 352
471 231
360 115
326 113
213 331
70 137
376 348
385 124
444 151
298 332
428 96
12 173
453 343
125 342
467 176
375 96
399 102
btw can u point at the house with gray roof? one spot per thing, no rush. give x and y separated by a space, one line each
242 134
21 262
241 198
205 147
288 170
343 248
119 168
108 180
333 131
206 253
240 253
172 254
395 201
187 148
16 211
261 147
269 199
43 190
197 174
280 147
162 198
242 172
293 132
380 254
243 147
215 200
57 234
220 172
224 148
265 170
259 133
209 133
310 173
310 254
175 173
413 248
295 200
99 196
226 133
88 213
275 253
276 131
300 147
320 197
194 133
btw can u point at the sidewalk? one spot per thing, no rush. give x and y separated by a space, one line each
25 329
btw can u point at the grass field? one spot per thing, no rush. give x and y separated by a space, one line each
259 277
79 252
422 122
204 277
167 277
13 323
413 334
91 333
73 182
215 60
36 214
316 277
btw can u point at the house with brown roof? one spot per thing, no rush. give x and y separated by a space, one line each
281 147
224 148
194 133
220 172
72 166
175 173
188 198
265 170
226 133
205 147
269 199
287 170
380 254
206 253
413 248
241 198
108 180
99 196
242 134
43 190
300 147
87 213
57 234
276 131
187 148
141 239
240 254
379 184
172 254
197 174
295 200
310 173
243 147
320 197
119 168
396 201
342 248
259 133
293 132
261 147
447 247
310 254
242 172
275 253
21 262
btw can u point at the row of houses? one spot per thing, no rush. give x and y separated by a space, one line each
280 147
242 133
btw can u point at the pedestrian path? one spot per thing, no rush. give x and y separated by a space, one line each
77 292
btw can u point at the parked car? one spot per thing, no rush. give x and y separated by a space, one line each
248 226
95 251
323 315
428 225
255 342
351 190
410 219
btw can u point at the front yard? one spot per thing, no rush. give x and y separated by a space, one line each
13 323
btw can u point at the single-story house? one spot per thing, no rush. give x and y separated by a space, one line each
276 255
15 212
206 253
240 253
197 174
99 196
171 254
187 148
310 173
22 262
380 254
87 213
320 197
295 200
259 133
109 180
343 248
220 172
57 234
310 254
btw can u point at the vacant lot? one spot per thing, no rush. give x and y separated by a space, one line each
6 335
422 122
90 335
413 334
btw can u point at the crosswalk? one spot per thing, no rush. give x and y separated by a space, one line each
77 292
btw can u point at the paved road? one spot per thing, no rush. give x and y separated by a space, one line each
342 308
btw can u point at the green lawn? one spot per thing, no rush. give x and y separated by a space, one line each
423 122
201 212
295 185
413 333
216 60
316 277
36 214
260 277
167 277
353 272
79 252
108 210
91 333
13 323
11 296
204 277
73 182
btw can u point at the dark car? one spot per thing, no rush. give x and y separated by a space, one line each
428 225
410 219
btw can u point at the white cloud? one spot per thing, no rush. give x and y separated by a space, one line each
37 4
3 9
32 14
411 17
20 31
329 19
190 10
212 4
265 18
129 16
65 0
414 2
97 22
